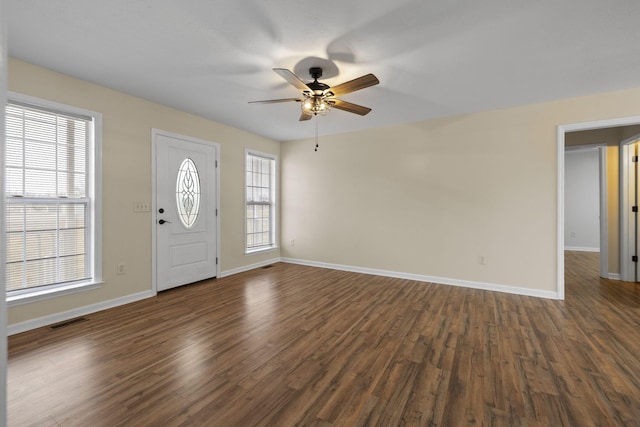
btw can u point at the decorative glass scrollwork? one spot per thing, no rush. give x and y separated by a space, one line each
188 193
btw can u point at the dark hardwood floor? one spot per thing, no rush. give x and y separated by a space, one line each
293 345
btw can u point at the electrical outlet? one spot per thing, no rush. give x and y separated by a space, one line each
120 268
141 207
573 234
292 243
482 260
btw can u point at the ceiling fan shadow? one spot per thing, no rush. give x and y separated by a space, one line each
409 27
329 67
219 33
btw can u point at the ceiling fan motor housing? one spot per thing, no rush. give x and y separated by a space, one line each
317 87
315 72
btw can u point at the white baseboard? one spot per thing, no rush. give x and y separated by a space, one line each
581 249
76 312
430 279
613 276
248 267
82 311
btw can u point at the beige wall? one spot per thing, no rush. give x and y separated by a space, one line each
428 198
126 161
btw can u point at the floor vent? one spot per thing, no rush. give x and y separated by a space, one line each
268 266
68 323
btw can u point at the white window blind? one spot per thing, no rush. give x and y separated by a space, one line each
47 197
260 201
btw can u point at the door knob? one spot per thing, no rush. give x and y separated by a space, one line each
162 221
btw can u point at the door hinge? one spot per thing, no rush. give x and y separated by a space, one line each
634 159
217 162
634 209
216 212
216 260
634 258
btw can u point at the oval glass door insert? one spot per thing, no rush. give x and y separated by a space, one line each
188 193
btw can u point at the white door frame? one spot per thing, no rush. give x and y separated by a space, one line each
627 221
603 205
154 209
561 130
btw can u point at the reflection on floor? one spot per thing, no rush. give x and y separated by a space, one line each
296 345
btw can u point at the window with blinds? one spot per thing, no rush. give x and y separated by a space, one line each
260 201
48 201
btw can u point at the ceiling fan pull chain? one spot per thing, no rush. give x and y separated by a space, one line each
317 118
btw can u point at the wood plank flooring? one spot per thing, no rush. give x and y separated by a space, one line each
292 345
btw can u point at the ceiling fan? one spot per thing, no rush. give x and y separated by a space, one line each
318 98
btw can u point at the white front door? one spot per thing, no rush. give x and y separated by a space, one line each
185 210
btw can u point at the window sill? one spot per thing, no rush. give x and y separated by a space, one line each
262 250
41 295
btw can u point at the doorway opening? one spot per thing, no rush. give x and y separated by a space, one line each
586 201
594 130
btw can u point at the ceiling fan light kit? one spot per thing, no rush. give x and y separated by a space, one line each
316 106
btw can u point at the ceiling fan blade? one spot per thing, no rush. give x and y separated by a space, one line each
353 85
292 79
273 101
348 106
305 116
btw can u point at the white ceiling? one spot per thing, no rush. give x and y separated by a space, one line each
434 58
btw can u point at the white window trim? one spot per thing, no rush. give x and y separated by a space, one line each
95 193
275 223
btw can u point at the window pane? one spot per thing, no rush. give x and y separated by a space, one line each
15 248
15 276
72 268
41 217
15 218
265 194
39 183
14 152
71 242
38 155
71 156
40 244
13 123
71 185
40 272
39 127
14 182
71 216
